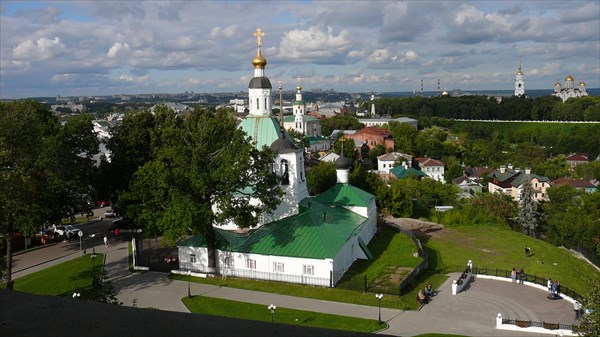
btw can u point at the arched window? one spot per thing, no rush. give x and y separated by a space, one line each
285 176
257 104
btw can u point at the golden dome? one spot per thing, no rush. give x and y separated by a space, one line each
259 61
569 78
519 72
581 83
557 84
299 88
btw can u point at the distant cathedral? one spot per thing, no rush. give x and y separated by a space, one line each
519 82
569 90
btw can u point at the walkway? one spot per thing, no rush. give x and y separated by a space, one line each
472 312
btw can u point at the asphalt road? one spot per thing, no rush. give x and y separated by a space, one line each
51 254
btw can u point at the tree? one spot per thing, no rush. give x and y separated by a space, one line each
347 144
321 177
44 169
299 138
590 323
340 122
528 216
204 171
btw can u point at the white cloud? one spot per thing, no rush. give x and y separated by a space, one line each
315 45
43 49
134 79
118 50
223 33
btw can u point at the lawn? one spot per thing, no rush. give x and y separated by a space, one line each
63 279
497 247
258 312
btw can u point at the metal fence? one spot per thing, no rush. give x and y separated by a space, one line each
545 325
589 254
527 277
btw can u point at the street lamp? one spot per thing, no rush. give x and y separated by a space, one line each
272 308
379 297
189 273
80 233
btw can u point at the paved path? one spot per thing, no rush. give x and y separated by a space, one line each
472 312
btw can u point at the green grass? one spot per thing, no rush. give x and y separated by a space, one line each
258 312
63 279
497 247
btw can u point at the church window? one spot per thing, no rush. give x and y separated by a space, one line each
257 104
278 267
285 176
193 258
308 270
250 264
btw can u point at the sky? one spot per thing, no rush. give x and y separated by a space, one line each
85 48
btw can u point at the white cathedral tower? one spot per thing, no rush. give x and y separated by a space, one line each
266 130
519 82
299 110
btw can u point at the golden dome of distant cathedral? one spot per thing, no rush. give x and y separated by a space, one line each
569 78
581 84
259 61
299 88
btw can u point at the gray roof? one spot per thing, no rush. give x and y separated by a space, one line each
260 83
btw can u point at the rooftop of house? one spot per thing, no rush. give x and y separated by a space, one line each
426 161
401 172
393 156
577 157
374 130
577 183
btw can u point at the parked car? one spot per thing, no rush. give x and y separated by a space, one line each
110 214
125 225
68 231
102 203
171 258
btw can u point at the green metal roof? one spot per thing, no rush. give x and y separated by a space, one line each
400 172
318 231
263 130
346 195
315 139
305 118
519 180
298 103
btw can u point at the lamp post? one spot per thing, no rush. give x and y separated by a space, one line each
189 273
379 297
80 233
272 308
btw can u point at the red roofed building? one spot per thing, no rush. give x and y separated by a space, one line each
431 167
373 136
576 159
576 183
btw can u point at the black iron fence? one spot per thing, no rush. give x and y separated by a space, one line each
589 254
545 325
527 277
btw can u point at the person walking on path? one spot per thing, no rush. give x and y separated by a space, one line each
513 275
549 286
557 288
105 242
577 309
521 276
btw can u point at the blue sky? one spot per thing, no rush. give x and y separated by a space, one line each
50 48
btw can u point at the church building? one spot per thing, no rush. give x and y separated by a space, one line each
569 90
305 240
299 120
519 82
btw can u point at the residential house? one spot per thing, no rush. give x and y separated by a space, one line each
579 184
511 181
405 171
374 136
383 121
432 168
575 159
386 162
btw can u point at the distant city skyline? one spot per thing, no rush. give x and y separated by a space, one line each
75 48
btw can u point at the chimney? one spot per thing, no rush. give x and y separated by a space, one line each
528 170
517 169
510 167
502 169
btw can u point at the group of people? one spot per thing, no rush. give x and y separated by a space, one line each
425 295
553 289
514 274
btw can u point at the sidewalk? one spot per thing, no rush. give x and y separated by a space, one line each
471 312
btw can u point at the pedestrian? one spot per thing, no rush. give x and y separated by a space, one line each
557 288
513 275
553 290
521 276
527 250
105 242
577 309
549 286
469 266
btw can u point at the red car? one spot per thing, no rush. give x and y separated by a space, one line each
102 203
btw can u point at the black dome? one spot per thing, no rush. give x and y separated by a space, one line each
283 145
342 163
260 83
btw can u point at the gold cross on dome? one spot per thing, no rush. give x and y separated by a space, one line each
259 34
